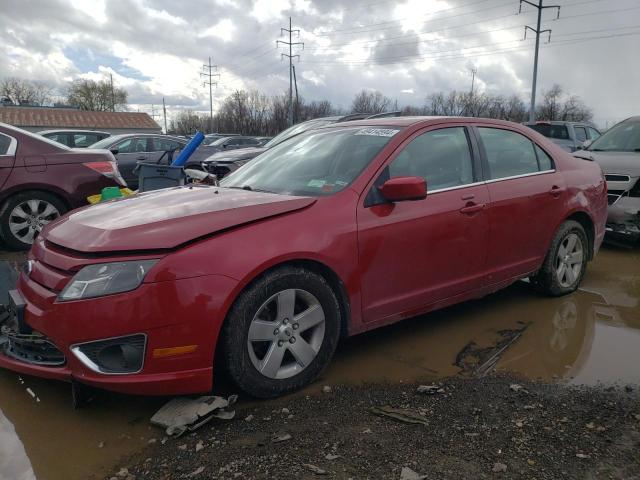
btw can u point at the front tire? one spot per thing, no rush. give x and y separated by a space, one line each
565 263
24 214
281 332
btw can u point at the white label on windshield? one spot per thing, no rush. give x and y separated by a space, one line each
377 132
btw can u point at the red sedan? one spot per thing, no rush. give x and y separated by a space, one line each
334 232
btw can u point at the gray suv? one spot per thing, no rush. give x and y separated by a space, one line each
569 135
617 151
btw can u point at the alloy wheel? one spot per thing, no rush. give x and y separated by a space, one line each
569 260
29 217
286 333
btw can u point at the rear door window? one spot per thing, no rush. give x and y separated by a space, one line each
442 157
581 134
509 153
5 143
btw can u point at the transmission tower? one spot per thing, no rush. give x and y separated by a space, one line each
537 31
208 74
290 56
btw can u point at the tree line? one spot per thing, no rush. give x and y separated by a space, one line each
99 96
254 113
251 112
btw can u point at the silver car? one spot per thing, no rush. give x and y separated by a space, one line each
131 148
617 151
569 135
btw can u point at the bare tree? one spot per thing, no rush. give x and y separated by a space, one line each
25 91
96 96
551 104
370 102
187 122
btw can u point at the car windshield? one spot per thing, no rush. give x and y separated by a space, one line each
624 137
219 141
558 132
209 140
295 130
316 163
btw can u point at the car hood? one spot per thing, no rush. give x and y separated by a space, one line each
165 219
627 163
233 155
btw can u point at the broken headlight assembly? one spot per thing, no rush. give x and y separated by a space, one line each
106 279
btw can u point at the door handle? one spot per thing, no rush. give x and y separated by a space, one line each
141 157
469 196
473 208
556 191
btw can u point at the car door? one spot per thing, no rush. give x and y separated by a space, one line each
130 151
8 146
526 193
415 253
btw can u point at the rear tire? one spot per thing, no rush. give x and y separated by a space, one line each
24 214
565 263
281 332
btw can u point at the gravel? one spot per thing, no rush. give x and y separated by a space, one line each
477 428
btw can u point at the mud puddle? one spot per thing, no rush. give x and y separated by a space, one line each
589 337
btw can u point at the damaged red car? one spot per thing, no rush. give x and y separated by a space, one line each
334 232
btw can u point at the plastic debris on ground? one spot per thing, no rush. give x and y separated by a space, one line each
402 415
188 414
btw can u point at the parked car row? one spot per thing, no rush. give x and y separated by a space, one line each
359 224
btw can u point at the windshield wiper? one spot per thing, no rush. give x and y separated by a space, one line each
251 189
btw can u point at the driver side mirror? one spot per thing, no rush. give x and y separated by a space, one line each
399 189
114 151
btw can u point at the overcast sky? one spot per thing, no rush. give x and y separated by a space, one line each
406 49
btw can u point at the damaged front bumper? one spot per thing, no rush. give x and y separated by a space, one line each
623 221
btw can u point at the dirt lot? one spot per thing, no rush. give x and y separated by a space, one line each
474 428
565 421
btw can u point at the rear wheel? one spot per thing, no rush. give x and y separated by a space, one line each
566 261
281 333
23 216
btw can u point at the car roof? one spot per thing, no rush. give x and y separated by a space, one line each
72 130
410 121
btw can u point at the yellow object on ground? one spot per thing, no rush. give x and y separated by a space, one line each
97 198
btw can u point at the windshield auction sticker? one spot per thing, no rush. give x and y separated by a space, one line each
377 132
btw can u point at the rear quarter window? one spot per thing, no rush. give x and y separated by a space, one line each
5 143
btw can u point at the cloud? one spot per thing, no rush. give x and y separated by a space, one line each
406 49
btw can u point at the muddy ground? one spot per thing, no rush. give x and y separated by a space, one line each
570 349
473 428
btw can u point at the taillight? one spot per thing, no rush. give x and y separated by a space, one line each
108 169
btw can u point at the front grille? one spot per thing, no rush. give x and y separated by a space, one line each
34 349
617 178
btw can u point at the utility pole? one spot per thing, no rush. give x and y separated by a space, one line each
113 96
209 81
290 43
473 71
537 31
153 112
295 83
164 111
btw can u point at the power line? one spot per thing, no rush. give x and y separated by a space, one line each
290 56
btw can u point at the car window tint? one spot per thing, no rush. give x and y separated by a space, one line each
85 139
593 133
164 144
508 153
4 144
581 134
442 157
126 146
558 132
544 160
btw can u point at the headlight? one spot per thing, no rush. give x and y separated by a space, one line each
106 279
